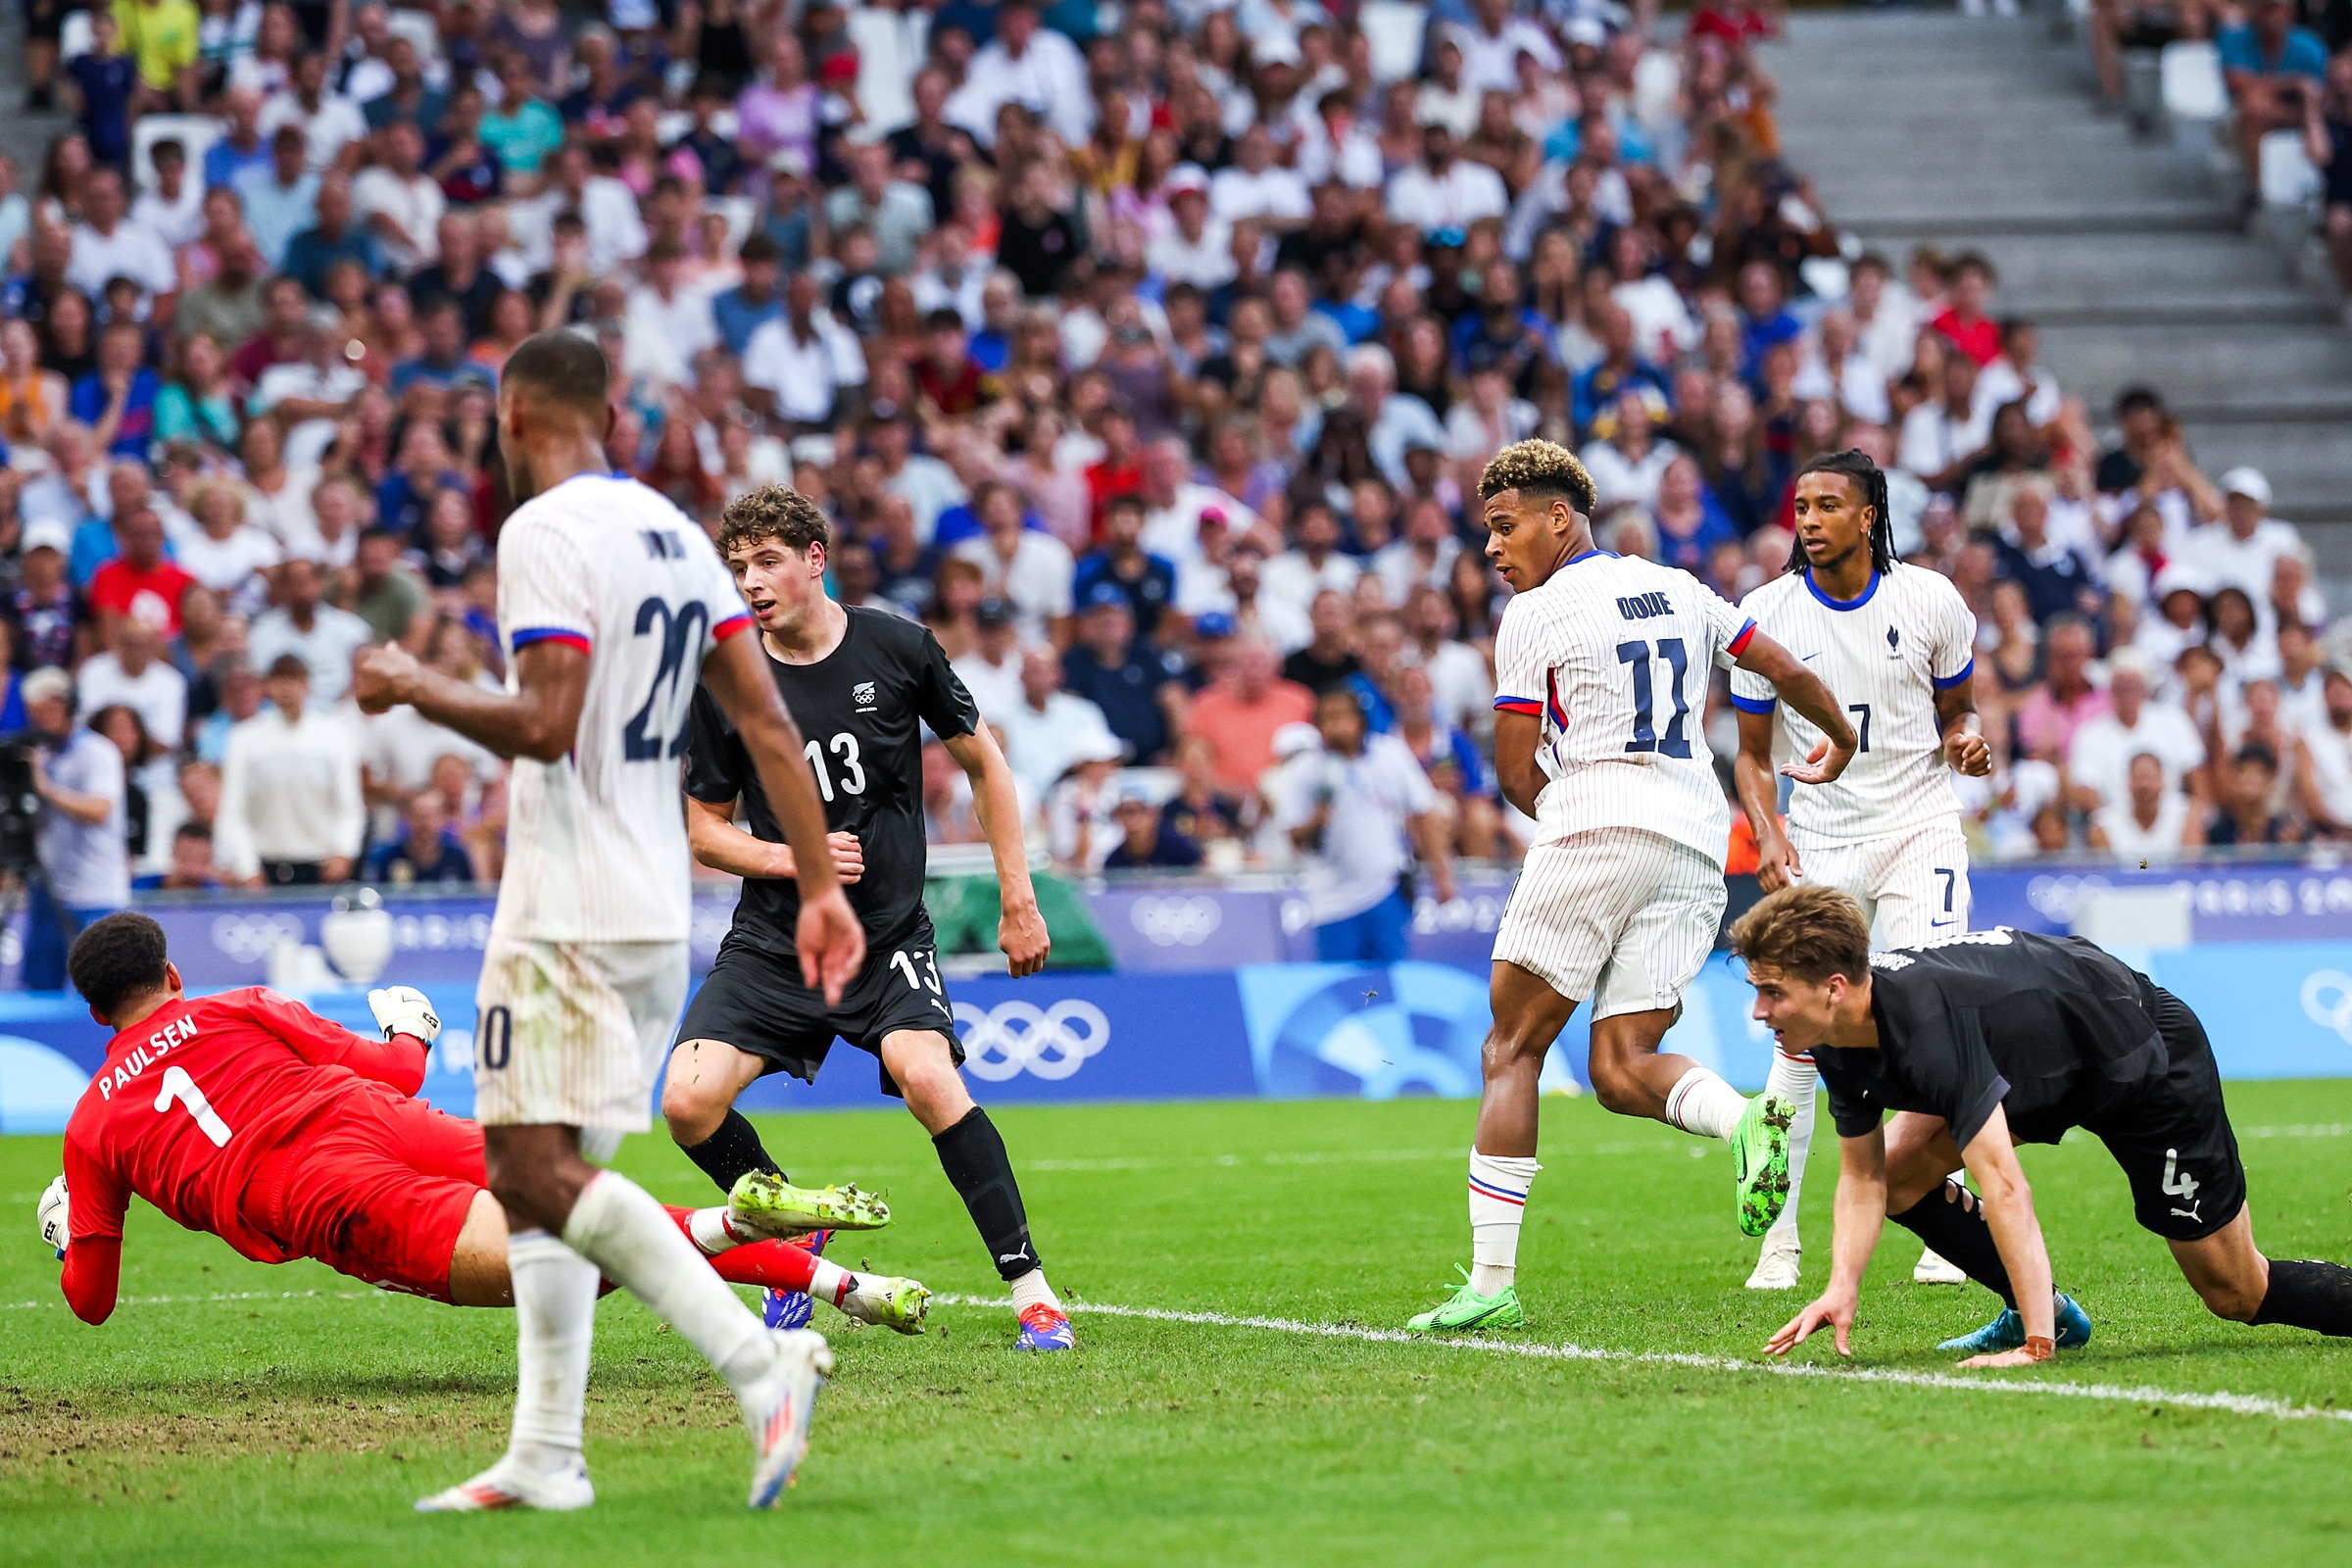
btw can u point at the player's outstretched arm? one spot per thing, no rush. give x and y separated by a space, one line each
1516 737
718 842
1992 1160
1021 932
831 942
1861 1214
1964 745
539 720
1810 696
1760 798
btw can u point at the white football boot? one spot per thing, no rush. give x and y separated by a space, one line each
1932 1269
1777 1261
777 1410
510 1485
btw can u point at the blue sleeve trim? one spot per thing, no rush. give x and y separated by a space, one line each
1944 683
1755 705
525 636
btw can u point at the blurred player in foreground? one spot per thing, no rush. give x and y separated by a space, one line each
1980 1043
1604 665
248 1116
611 600
1898 644
864 684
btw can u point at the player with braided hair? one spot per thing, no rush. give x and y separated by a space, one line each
1898 644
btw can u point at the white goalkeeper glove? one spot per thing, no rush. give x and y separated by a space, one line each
404 1010
56 1216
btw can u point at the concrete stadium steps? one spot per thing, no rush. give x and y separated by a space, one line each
1980 133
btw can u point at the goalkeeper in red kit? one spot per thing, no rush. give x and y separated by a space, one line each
248 1116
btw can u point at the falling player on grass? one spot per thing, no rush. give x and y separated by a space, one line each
1898 645
247 1117
863 685
610 602
1980 1043
1604 665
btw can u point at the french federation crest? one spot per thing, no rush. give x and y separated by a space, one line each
862 692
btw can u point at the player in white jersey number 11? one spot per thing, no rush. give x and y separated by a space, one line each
1898 644
1604 665
610 599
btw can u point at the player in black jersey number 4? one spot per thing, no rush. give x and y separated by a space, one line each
1980 1043
862 684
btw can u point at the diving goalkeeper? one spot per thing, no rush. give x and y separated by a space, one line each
248 1116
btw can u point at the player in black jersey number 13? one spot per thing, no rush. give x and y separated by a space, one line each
862 684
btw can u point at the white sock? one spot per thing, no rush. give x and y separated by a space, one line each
1031 1289
1701 1103
1792 1079
713 1233
617 1226
555 1317
1498 1184
831 1283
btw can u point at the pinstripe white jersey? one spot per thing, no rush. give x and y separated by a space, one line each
596 841
1885 655
1613 653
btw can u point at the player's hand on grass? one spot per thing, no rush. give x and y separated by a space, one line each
381 676
1835 1310
404 1010
831 942
1968 754
2021 1356
1022 934
1777 865
1823 766
55 1212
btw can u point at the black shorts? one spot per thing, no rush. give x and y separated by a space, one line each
2174 1140
44 19
755 1002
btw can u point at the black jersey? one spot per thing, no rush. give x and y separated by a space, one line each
860 710
2051 1029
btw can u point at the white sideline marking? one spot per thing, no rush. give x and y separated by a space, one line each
225 1295
2117 1393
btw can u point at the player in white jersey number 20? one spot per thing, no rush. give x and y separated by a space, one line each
1604 665
1898 646
610 602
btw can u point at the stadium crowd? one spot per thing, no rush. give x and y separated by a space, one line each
1149 354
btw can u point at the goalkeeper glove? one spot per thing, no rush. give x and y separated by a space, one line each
404 1010
56 1216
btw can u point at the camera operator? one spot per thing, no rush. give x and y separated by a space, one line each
83 863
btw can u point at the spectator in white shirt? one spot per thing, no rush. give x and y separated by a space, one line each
400 202
1026 566
330 122
1443 190
607 208
1049 731
799 363
991 670
1492 42
320 636
668 324
1034 67
1835 367
135 674
2151 823
1255 186
291 811
1174 506
1884 313
1629 461
172 208
1313 565
2243 550
1942 433
1197 250
927 484
2014 374
2099 761
107 246
1422 556
1396 422
1444 98
223 551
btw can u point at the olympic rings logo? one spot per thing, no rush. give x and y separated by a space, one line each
248 938
2335 1014
1176 922
1051 1043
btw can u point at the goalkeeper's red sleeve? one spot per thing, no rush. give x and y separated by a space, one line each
93 1273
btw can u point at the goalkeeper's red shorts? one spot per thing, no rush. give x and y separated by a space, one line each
378 1190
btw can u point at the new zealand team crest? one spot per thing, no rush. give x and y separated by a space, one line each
862 692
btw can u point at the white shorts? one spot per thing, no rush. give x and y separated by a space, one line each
1618 914
571 1033
1913 887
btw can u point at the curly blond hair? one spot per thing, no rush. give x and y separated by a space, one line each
1538 466
773 512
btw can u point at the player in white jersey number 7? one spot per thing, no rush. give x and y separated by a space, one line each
611 600
1602 664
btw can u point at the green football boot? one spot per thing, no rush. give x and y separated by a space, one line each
766 1204
1760 1162
1469 1312
893 1304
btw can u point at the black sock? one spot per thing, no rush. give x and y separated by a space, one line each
1951 1221
2308 1296
731 1151
975 1159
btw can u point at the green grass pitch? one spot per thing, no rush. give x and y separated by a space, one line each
233 1413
